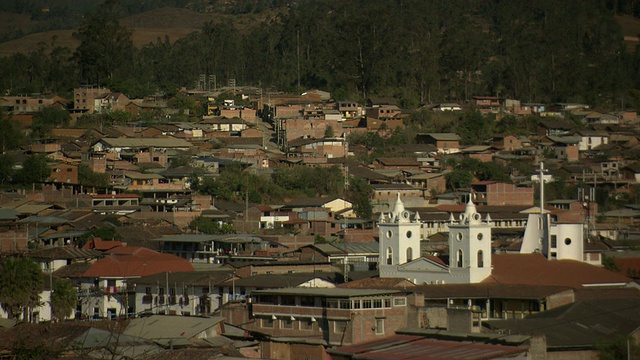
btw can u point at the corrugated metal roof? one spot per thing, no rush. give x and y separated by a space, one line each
8 214
420 348
170 327
146 142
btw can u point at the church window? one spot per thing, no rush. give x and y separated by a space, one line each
459 236
409 233
389 234
389 256
567 241
480 236
459 259
409 254
480 259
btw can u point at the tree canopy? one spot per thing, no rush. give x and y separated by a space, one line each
20 285
64 299
418 51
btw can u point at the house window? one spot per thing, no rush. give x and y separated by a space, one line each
377 303
267 323
267 299
399 302
339 327
288 300
366 304
345 304
307 301
554 241
286 323
379 326
306 324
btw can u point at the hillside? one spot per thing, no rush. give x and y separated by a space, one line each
146 28
630 29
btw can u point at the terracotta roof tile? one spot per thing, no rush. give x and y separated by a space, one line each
535 269
377 283
125 261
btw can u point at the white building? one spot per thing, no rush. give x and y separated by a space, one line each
554 240
469 246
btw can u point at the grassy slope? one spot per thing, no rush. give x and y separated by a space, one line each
146 28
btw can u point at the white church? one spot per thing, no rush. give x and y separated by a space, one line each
469 248
469 245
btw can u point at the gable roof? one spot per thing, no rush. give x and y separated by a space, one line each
485 290
281 280
535 269
146 142
127 262
102 245
65 252
310 201
442 136
582 324
398 161
417 347
157 327
378 283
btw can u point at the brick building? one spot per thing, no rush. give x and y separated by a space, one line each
334 316
499 193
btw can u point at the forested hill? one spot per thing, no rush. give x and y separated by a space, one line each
417 50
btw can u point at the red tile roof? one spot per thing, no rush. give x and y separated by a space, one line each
129 261
102 245
378 283
629 266
419 348
535 269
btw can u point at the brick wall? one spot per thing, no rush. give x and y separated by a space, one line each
560 299
13 241
509 194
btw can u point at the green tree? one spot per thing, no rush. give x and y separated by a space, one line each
106 49
609 263
328 133
183 158
457 179
6 168
10 136
64 299
35 169
47 119
620 347
88 177
209 226
21 283
359 193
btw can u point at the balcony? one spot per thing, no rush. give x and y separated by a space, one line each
302 311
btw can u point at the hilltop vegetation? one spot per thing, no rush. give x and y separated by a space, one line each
418 51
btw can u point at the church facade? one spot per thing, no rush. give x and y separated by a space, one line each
469 248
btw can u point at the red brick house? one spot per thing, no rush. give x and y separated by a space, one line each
63 173
499 193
